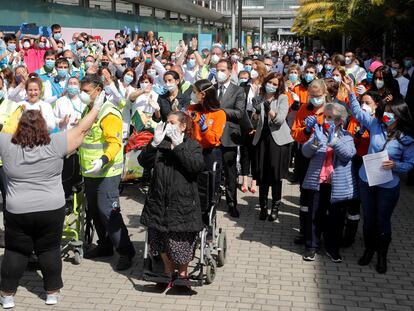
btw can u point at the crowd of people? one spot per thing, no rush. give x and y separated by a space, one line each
67 110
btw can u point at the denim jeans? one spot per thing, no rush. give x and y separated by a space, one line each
377 205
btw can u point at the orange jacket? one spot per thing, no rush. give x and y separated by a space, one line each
215 121
361 141
298 127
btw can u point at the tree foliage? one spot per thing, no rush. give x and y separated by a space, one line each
364 22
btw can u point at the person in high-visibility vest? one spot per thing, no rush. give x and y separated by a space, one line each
101 161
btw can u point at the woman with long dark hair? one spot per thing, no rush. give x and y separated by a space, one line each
272 141
384 83
208 124
391 129
34 215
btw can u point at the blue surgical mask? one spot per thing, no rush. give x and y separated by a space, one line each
73 90
171 87
317 101
50 63
293 77
248 68
191 63
79 44
42 45
11 47
337 79
328 67
309 77
369 76
408 63
57 36
244 80
270 89
128 79
62 73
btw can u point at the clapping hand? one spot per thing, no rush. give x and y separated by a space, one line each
159 134
202 123
310 122
318 133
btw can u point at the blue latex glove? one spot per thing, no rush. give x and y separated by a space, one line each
136 29
212 73
22 26
310 122
318 133
128 31
202 123
41 31
160 90
331 131
125 30
49 32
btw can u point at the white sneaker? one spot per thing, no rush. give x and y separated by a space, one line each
52 299
7 302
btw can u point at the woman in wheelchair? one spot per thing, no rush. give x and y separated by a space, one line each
172 210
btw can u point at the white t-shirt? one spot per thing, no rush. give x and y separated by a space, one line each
46 109
69 106
403 83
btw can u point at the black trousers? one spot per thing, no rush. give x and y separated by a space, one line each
103 205
230 173
264 191
247 156
40 232
211 156
71 173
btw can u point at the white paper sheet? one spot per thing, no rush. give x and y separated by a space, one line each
373 167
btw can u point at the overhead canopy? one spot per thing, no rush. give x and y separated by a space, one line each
182 7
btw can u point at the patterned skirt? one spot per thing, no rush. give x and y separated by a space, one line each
179 246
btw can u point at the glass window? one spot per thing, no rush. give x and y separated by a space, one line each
101 4
124 7
67 2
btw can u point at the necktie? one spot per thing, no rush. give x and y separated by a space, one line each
221 92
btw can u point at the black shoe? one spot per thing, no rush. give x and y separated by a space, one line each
263 213
299 240
274 212
125 262
334 256
310 255
366 257
384 242
233 211
98 252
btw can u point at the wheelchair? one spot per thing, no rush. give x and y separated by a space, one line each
211 243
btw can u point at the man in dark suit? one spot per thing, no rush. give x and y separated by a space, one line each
232 100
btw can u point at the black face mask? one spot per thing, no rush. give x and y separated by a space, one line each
104 64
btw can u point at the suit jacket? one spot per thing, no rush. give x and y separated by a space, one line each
233 103
278 126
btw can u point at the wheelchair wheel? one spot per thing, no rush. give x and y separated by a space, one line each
77 258
211 270
222 245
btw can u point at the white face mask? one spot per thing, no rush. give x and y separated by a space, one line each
26 44
366 108
169 129
348 60
171 87
394 72
143 85
152 72
215 59
379 83
194 99
221 77
254 74
85 98
268 68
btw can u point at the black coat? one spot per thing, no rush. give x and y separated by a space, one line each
173 203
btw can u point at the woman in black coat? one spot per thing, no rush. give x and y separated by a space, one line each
172 211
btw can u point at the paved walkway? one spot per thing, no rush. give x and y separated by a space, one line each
264 271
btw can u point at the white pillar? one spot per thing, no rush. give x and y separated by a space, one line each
233 23
260 31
